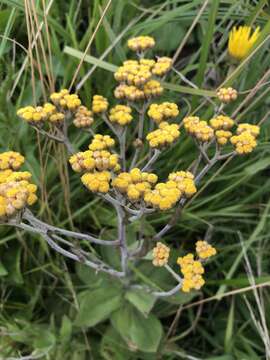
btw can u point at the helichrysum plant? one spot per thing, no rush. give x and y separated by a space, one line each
127 180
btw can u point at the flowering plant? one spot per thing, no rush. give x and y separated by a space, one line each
126 179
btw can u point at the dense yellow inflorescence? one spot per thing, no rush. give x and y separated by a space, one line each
192 271
94 160
221 122
204 250
244 143
185 182
16 192
227 95
162 66
11 160
99 104
254 130
141 43
83 117
164 196
163 111
152 88
135 184
121 114
133 74
165 135
65 100
241 40
97 182
161 254
101 142
127 92
203 132
223 136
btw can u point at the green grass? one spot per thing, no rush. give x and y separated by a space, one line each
40 290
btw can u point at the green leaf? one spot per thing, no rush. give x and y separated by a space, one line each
141 300
12 263
66 329
3 271
45 339
141 333
97 305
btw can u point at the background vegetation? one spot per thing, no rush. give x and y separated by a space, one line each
42 293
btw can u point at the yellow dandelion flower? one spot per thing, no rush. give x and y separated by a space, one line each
241 41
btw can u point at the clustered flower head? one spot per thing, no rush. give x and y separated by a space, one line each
121 114
163 111
165 135
223 136
162 66
55 113
135 184
83 117
161 254
185 182
97 182
165 195
65 100
11 160
244 143
254 130
16 192
141 43
221 122
136 76
133 73
204 250
241 40
99 104
97 163
227 95
192 271
198 128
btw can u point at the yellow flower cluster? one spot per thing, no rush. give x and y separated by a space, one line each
66 100
127 92
244 143
205 250
254 130
164 195
161 112
121 115
161 254
97 182
11 160
152 88
227 95
198 128
223 136
135 184
165 135
39 114
241 41
135 76
192 271
83 117
99 104
141 43
94 160
101 142
132 73
162 66
16 191
221 122
185 182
